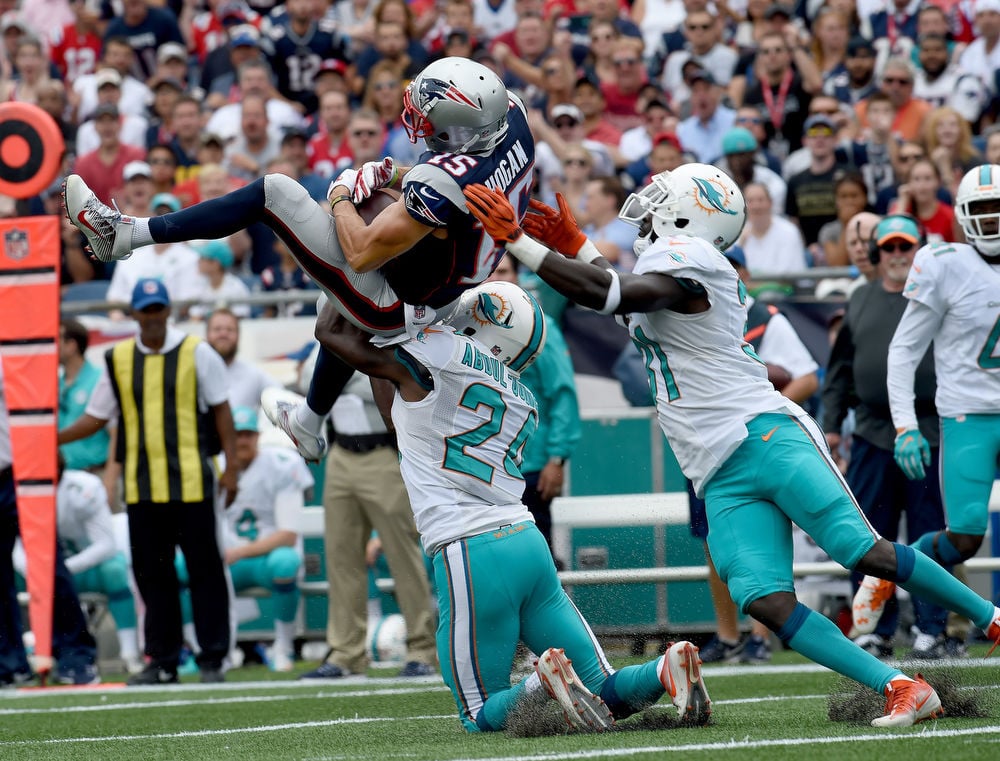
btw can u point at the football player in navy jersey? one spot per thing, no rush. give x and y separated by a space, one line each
301 44
423 250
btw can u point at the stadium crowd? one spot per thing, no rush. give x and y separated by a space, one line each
819 111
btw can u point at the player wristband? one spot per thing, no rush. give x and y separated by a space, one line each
614 293
588 252
528 251
337 199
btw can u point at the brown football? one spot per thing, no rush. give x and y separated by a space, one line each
371 206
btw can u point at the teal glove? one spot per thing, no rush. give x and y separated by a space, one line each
912 454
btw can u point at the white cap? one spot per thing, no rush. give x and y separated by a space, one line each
169 50
107 77
983 6
135 169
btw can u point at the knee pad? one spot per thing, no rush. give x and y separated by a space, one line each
283 564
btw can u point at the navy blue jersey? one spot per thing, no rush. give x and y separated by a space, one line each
437 270
296 60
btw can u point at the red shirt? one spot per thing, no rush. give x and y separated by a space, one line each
207 32
621 106
75 52
606 133
106 179
941 222
324 161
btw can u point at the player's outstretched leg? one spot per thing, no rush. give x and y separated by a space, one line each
583 709
108 231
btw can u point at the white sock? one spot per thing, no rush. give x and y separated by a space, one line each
284 634
309 419
140 233
191 638
128 643
532 683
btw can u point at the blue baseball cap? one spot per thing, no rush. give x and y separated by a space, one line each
895 226
218 250
738 140
149 292
245 419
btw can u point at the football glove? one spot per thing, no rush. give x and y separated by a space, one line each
348 178
912 453
494 213
556 229
372 176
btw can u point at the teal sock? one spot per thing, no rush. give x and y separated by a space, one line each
633 688
492 717
819 640
934 584
945 552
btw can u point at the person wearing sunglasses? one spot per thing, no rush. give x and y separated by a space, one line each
897 82
703 35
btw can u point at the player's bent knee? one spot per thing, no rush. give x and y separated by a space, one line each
281 190
966 544
879 561
773 609
283 563
114 575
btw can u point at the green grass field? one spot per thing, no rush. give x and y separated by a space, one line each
775 712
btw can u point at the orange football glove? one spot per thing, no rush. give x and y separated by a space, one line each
494 213
556 229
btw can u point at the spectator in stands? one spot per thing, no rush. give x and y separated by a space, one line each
701 133
992 135
163 168
553 81
53 101
77 378
102 168
219 286
554 142
704 45
132 128
948 142
393 47
855 379
173 264
982 56
286 275
896 24
32 72
858 237
254 78
138 191
739 161
588 97
850 198
771 244
830 35
550 377
210 152
637 142
165 96
613 237
328 150
72 644
364 491
261 538
781 82
919 196
751 27
219 74
211 29
622 94
146 27
941 83
255 145
163 515
897 83
85 532
907 154
246 380
171 63
75 48
811 202
572 180
857 81
185 140
384 95
293 152
118 55
599 62
364 137
532 41
750 118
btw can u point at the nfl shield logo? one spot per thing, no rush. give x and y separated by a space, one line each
419 312
15 244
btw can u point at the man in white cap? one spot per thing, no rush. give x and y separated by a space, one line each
131 127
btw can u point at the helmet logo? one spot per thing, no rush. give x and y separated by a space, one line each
493 309
437 89
711 197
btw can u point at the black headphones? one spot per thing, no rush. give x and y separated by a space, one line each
873 251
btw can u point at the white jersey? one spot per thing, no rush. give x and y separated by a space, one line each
708 380
253 515
83 522
963 293
460 447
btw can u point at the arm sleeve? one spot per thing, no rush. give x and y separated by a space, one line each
213 383
913 335
102 403
99 532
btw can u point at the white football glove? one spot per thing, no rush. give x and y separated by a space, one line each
372 176
348 178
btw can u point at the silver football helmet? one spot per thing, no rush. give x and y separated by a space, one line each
457 106
977 208
694 199
505 318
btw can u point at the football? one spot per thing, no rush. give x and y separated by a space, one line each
371 206
779 376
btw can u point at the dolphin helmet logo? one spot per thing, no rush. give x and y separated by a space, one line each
493 309
710 198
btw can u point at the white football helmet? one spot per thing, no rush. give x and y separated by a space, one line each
505 318
977 208
457 106
694 199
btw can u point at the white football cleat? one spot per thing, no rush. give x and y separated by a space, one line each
108 231
869 603
583 709
279 405
680 675
279 660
